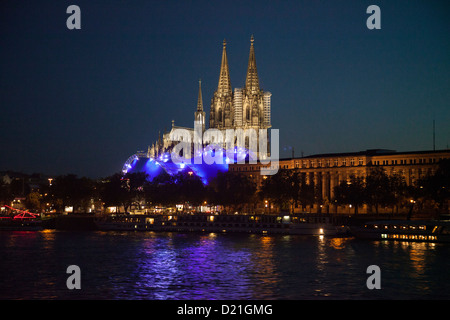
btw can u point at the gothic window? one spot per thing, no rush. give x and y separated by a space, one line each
220 115
248 114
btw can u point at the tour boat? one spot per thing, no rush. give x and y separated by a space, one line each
22 220
12 224
405 230
263 224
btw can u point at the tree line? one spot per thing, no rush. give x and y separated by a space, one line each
285 190
130 191
231 191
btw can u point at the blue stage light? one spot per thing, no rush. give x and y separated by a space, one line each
206 172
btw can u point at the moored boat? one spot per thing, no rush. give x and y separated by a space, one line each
263 224
22 220
404 230
12 224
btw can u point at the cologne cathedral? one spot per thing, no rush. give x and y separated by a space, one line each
246 108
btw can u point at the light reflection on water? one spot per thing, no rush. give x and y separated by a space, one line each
133 265
206 268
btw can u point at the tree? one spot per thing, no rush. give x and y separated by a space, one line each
397 189
377 186
383 189
72 191
113 191
18 187
280 188
352 192
289 187
33 201
134 184
436 187
233 190
5 193
189 188
127 191
161 190
307 194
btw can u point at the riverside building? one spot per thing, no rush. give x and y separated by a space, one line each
249 108
326 171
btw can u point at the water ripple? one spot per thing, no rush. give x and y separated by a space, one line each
164 266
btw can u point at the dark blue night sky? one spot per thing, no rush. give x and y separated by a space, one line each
83 101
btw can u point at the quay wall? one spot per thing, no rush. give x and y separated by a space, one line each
71 222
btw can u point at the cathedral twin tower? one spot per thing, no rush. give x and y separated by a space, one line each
245 108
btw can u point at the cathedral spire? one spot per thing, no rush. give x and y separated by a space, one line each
252 80
200 114
200 99
224 86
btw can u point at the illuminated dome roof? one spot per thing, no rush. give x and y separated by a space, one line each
206 172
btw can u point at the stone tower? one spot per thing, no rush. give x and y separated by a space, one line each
247 107
221 113
200 114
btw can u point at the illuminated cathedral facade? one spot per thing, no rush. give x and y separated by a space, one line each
244 108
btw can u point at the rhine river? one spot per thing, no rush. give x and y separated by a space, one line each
196 266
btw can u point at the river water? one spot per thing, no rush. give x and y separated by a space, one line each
197 266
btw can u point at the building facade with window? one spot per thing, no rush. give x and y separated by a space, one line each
327 170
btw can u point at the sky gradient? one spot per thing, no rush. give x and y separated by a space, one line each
83 101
